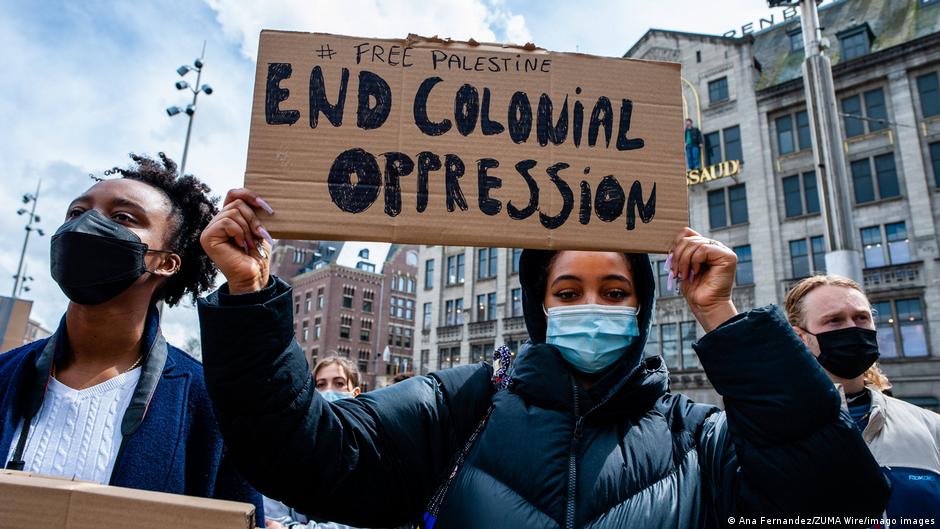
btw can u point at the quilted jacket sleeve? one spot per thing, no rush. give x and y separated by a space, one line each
392 446
783 446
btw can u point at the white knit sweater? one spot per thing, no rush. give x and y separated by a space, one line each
77 433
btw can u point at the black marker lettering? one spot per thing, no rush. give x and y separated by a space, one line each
453 170
520 117
523 168
274 94
427 162
349 197
635 201
373 86
584 216
609 200
624 143
566 195
544 129
488 126
396 166
466 109
602 114
320 103
421 109
485 183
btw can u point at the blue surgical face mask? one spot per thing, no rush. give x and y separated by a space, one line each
592 337
332 396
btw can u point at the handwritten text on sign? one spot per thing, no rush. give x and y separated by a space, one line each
428 127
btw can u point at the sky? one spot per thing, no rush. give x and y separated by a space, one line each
85 83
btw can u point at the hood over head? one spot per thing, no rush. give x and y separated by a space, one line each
533 277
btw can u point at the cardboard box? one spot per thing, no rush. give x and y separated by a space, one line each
33 501
431 141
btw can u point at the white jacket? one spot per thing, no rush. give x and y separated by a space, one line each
905 440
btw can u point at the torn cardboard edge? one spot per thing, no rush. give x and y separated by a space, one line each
289 165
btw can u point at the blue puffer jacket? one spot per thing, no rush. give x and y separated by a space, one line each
172 442
626 453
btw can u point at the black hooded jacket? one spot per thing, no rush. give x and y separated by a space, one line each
626 453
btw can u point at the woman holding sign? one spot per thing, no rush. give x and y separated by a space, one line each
586 432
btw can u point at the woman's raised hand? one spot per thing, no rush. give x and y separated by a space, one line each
705 270
238 244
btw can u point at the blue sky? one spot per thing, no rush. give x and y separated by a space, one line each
85 83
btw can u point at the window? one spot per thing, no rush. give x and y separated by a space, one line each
876 253
717 211
818 248
316 328
448 357
698 56
732 145
899 249
800 195
348 293
455 267
785 139
410 285
400 308
652 342
796 40
486 307
712 148
788 141
368 296
314 353
426 318
305 331
345 324
486 263
516 302
453 312
296 304
479 352
663 276
885 174
689 358
854 42
410 309
935 162
406 337
365 330
799 258
670 346
874 118
320 298
425 360
364 355
900 325
717 90
308 303
732 137
429 274
737 202
929 89
745 271
517 252
343 351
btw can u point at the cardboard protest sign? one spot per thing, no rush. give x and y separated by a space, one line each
438 142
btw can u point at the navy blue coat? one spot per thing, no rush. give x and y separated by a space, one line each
177 448
624 453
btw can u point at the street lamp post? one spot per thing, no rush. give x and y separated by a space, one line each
843 256
190 109
33 218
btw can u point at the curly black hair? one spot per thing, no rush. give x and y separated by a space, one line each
192 209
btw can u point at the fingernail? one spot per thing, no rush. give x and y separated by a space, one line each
668 264
245 246
691 275
267 236
669 282
264 205
261 252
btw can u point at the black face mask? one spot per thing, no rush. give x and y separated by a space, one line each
848 352
94 258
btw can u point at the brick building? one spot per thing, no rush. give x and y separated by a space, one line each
356 309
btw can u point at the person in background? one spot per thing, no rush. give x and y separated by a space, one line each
833 317
586 432
401 377
693 146
337 378
106 399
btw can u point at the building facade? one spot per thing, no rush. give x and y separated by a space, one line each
347 310
757 192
